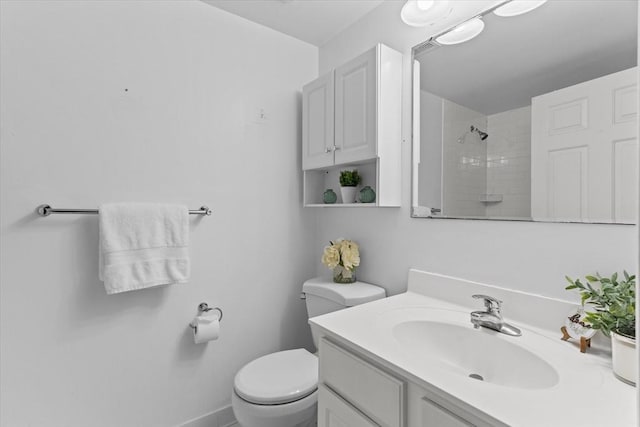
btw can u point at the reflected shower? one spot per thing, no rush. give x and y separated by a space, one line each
473 129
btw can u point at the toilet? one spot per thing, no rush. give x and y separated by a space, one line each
281 389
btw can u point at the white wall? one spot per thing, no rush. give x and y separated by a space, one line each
145 101
525 256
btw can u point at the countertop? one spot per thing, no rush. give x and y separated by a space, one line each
586 394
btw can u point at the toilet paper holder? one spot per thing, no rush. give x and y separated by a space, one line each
203 307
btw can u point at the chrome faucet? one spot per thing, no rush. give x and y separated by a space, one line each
492 318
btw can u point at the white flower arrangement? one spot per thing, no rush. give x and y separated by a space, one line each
342 253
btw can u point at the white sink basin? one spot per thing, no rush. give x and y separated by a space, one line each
480 354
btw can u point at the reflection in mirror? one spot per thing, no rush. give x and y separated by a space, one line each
534 119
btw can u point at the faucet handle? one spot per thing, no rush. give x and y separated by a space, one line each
491 303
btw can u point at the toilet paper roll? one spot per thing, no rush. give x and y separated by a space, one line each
206 329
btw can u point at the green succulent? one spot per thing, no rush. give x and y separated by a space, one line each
614 302
350 178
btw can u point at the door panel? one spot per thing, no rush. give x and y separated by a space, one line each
625 175
355 113
333 411
583 161
317 123
566 192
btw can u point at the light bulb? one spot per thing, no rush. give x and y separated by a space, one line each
424 4
463 32
518 7
420 13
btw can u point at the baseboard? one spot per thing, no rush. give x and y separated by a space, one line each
223 417
226 417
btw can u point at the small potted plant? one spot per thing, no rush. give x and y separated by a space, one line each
349 180
614 302
342 256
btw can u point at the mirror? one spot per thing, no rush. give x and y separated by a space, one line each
534 119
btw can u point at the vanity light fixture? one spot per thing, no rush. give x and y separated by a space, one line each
518 7
463 32
420 13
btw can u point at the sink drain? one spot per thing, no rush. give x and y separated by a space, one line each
476 377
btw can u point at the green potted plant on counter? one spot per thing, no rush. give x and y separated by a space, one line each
614 302
349 180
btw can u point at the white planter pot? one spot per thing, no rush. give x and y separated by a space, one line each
348 194
624 358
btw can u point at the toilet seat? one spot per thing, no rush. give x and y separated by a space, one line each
302 412
278 378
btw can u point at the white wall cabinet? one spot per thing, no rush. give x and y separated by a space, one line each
351 119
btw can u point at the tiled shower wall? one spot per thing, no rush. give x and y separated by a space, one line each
509 162
464 171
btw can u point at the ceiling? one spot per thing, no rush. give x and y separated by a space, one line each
518 58
313 21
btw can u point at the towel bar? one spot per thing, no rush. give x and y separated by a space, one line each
46 210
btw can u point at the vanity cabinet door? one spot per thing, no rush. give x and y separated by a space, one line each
355 121
335 412
376 393
434 415
317 123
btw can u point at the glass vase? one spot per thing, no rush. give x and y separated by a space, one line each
342 275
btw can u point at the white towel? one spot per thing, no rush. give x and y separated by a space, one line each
143 245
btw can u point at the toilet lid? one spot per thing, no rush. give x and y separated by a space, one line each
276 378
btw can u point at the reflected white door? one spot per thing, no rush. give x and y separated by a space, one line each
584 151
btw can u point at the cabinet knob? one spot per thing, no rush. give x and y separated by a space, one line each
328 150
335 148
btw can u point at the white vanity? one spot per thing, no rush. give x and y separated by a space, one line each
415 359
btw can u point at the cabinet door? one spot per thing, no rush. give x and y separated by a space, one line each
333 411
434 415
355 121
376 393
317 123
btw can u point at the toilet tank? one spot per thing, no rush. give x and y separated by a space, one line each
324 296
